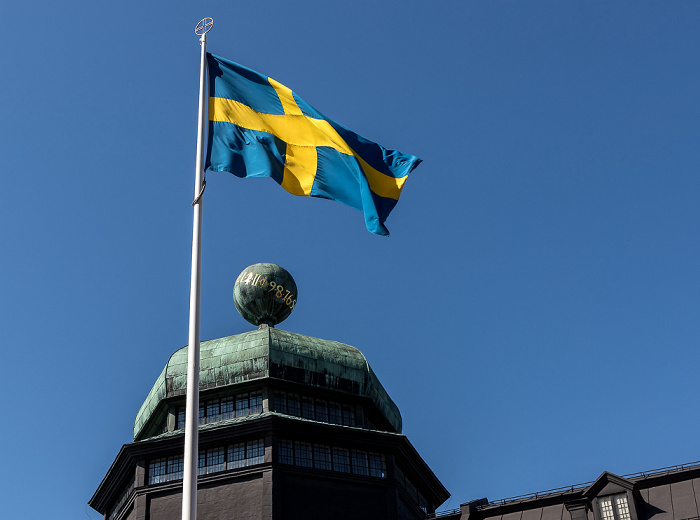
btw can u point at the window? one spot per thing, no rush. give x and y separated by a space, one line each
348 416
212 411
256 402
321 411
313 409
377 465
422 503
126 492
255 452
331 458
293 405
322 457
217 410
242 405
303 455
157 471
202 463
614 507
165 470
280 402
214 460
175 467
307 408
236 456
227 409
341 460
412 490
211 460
334 413
245 454
359 463
286 452
401 479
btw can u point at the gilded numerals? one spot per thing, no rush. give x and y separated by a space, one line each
277 289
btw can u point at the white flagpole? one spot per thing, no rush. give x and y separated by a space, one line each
189 484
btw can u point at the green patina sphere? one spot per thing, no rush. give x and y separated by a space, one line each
265 293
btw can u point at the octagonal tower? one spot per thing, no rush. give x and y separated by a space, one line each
290 427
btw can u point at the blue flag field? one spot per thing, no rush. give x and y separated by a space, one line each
260 128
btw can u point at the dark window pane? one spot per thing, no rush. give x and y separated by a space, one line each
303 455
212 411
411 490
341 460
322 457
202 463
377 465
175 467
359 463
255 452
157 470
117 507
307 408
256 402
293 407
236 455
286 452
242 406
334 413
280 402
215 460
422 503
227 409
348 416
400 477
321 411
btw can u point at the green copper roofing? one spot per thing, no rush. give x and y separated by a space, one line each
270 352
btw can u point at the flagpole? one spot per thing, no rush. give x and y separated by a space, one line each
189 483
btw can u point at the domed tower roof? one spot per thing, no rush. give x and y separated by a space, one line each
271 353
288 427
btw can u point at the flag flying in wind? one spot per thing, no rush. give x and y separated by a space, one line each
260 128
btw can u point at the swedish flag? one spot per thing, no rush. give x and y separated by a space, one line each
260 128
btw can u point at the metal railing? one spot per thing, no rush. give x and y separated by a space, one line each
438 514
568 489
642 474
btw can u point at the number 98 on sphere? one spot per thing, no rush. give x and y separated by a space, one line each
265 294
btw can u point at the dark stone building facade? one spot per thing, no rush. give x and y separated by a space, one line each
291 427
666 494
294 427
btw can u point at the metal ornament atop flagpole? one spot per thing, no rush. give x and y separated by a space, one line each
189 483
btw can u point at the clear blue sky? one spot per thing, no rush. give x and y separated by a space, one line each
534 313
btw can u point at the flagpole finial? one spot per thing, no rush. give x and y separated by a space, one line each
204 26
